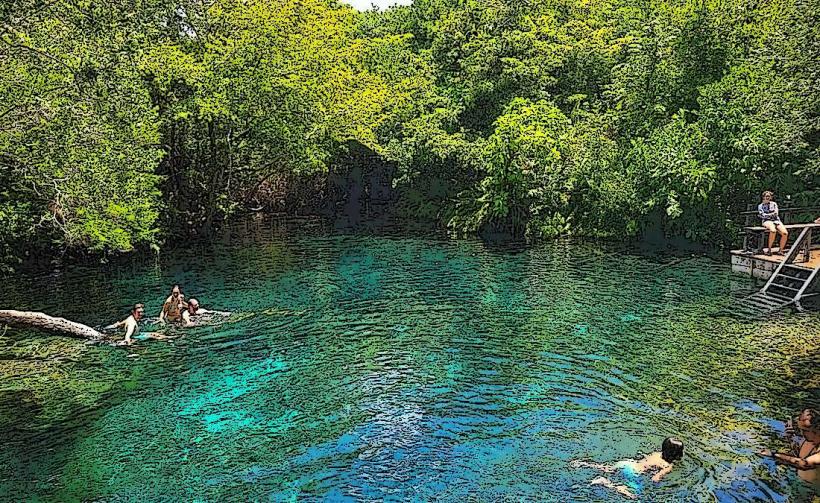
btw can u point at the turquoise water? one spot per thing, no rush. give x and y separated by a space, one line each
395 368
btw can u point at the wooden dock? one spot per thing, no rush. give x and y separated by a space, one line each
762 266
790 278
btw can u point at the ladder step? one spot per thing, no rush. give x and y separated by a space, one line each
775 285
792 278
775 296
797 267
764 302
753 308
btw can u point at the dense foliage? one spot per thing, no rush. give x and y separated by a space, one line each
129 122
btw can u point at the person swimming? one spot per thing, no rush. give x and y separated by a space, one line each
193 309
632 471
173 307
805 455
132 326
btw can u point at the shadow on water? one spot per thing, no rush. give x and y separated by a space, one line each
385 366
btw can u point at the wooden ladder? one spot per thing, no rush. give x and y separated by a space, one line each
790 282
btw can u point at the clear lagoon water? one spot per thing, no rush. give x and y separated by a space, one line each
392 368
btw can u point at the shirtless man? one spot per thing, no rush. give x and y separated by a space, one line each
132 327
805 456
173 306
631 471
193 309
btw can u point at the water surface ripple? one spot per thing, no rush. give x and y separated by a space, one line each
389 368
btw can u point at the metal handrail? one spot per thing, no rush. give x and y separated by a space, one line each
788 259
786 210
785 213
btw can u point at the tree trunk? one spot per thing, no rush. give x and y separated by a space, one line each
29 319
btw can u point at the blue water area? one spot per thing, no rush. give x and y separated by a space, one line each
387 367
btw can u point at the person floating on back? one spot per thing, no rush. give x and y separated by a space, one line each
805 455
631 471
769 214
173 307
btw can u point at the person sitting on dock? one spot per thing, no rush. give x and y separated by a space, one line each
173 306
661 463
805 455
132 326
769 214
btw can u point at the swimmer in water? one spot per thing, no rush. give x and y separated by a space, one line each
173 307
805 455
132 326
631 471
193 309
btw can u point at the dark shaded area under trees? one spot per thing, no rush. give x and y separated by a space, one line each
130 123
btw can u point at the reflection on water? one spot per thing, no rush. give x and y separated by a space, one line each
383 367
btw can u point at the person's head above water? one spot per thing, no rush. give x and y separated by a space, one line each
809 420
137 311
193 305
175 292
671 450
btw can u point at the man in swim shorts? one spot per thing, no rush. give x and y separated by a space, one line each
173 307
805 455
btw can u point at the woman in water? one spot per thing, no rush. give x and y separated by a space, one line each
659 464
805 455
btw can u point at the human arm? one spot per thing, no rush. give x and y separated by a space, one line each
130 328
115 325
789 433
767 215
164 310
774 211
662 473
809 463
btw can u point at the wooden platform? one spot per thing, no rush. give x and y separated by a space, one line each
789 279
762 266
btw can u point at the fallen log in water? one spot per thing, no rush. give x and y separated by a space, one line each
30 319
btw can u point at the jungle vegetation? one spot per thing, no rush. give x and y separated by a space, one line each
127 122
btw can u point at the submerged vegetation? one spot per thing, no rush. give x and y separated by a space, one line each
127 123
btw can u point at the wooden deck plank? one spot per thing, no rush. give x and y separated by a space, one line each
812 264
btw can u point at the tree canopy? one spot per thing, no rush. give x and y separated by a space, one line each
124 122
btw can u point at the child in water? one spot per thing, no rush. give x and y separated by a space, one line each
657 463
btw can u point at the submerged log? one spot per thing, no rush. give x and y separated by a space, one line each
30 319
